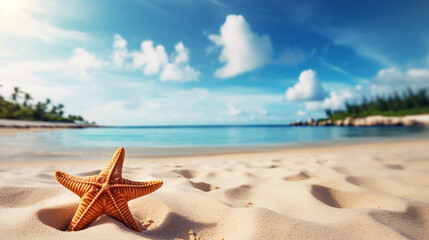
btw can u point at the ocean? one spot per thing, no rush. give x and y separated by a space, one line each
89 143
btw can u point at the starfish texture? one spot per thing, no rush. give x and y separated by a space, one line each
105 193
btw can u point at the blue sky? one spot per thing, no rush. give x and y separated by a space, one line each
211 62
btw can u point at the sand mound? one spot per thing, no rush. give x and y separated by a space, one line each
298 177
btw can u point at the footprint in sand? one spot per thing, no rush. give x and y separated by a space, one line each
391 187
187 173
413 223
239 193
205 187
343 170
342 199
303 175
395 166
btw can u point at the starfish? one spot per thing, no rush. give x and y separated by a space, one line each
105 193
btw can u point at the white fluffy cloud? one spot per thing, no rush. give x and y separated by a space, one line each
178 69
386 81
120 52
83 61
242 49
153 60
150 59
177 73
390 79
181 55
308 88
336 100
418 74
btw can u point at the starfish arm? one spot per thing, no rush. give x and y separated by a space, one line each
132 190
119 210
90 208
114 168
78 185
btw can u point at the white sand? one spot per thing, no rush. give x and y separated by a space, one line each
364 191
12 130
11 123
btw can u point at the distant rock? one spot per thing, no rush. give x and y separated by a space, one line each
409 122
348 121
338 123
310 122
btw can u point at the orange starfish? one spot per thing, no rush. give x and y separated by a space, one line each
105 193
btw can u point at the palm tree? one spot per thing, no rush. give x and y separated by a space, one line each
15 94
328 112
27 98
1 97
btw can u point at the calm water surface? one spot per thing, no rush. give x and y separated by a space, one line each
158 141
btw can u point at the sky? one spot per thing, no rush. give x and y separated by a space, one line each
210 61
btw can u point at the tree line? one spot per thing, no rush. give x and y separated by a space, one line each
407 103
20 107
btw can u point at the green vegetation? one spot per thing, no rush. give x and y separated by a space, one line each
21 108
408 103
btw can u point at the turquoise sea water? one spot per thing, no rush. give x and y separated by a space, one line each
182 140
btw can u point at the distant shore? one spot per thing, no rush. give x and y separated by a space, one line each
9 126
10 123
377 120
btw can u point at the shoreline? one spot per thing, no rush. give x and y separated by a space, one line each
46 154
13 130
301 148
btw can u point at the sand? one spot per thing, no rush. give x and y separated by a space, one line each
11 130
358 191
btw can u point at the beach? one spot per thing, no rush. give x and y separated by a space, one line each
353 191
214 120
